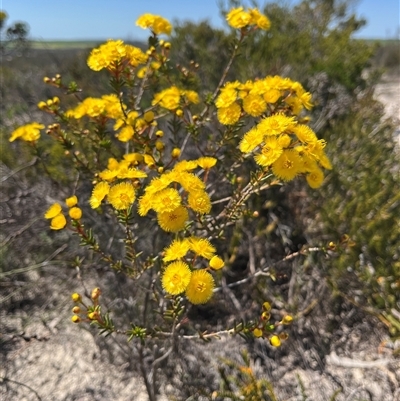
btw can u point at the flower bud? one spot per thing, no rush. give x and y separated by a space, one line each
95 293
176 152
216 263
275 341
287 319
76 319
76 297
257 332
76 309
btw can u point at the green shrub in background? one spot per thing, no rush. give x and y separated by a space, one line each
313 42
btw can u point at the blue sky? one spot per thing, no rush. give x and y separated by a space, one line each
115 19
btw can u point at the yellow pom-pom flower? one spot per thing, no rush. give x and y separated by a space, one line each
206 162
216 263
229 115
200 288
156 23
99 192
28 132
58 222
53 211
177 250
315 178
122 195
75 213
71 201
166 200
173 221
199 201
176 277
201 247
288 165
237 18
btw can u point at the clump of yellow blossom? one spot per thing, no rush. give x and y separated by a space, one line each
173 221
100 191
71 201
29 132
54 213
200 288
176 277
113 54
238 18
121 196
157 24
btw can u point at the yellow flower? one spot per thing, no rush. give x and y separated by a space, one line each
166 200
156 23
199 201
254 105
29 132
275 125
185 165
259 19
315 178
133 158
122 195
177 250
237 18
227 97
72 201
126 133
145 204
216 263
269 153
168 98
229 115
75 213
53 211
251 140
206 162
288 165
58 222
176 277
98 194
189 181
305 134
107 55
200 288
191 96
158 184
173 221
201 247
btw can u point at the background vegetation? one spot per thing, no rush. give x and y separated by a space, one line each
356 211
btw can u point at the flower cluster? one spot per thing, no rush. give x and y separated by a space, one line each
277 140
178 277
29 132
55 213
157 24
169 203
264 328
122 139
238 18
115 55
